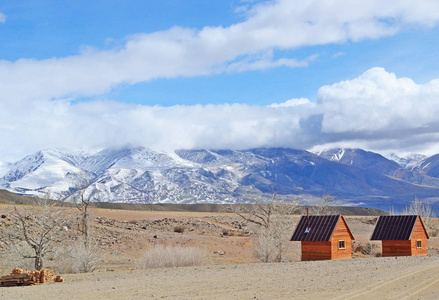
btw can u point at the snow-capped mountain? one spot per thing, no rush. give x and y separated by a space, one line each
415 169
429 166
361 159
56 170
408 162
140 175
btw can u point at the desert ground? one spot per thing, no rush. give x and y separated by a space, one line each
231 271
367 278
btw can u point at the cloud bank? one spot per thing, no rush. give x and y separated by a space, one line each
376 111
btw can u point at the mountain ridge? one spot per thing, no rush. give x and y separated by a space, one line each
141 175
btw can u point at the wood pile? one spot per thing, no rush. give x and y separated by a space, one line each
20 277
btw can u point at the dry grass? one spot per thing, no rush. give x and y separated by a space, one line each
165 257
85 259
233 232
366 249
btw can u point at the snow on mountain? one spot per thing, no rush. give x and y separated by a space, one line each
429 166
139 158
140 175
335 154
408 162
362 159
53 170
128 174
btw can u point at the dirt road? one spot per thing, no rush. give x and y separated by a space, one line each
415 283
371 278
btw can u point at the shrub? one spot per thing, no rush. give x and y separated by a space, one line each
368 249
433 233
179 229
87 259
79 258
166 256
433 251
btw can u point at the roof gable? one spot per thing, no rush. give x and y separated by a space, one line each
423 227
342 224
320 228
394 228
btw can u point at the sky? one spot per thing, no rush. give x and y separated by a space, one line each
216 74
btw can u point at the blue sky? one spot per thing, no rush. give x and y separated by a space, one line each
236 74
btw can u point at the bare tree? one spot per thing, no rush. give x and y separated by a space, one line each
418 207
392 211
323 206
40 225
87 256
271 225
82 203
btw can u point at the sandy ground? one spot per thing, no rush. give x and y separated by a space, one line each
371 278
234 275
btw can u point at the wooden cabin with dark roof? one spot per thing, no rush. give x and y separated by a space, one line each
324 237
401 235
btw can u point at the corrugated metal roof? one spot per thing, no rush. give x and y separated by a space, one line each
320 228
394 228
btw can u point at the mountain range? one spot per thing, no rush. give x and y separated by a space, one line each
141 175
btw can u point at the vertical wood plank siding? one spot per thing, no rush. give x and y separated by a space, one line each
341 232
419 233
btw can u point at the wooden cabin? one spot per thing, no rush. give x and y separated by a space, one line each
324 237
401 235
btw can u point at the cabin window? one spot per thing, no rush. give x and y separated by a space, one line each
341 245
418 244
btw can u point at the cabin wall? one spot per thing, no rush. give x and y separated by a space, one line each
341 232
418 231
409 247
419 234
419 251
397 248
316 250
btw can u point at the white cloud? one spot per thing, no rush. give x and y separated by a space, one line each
102 124
294 103
2 18
380 111
379 101
376 111
282 24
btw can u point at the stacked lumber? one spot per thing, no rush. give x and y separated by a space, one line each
43 276
17 280
25 277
